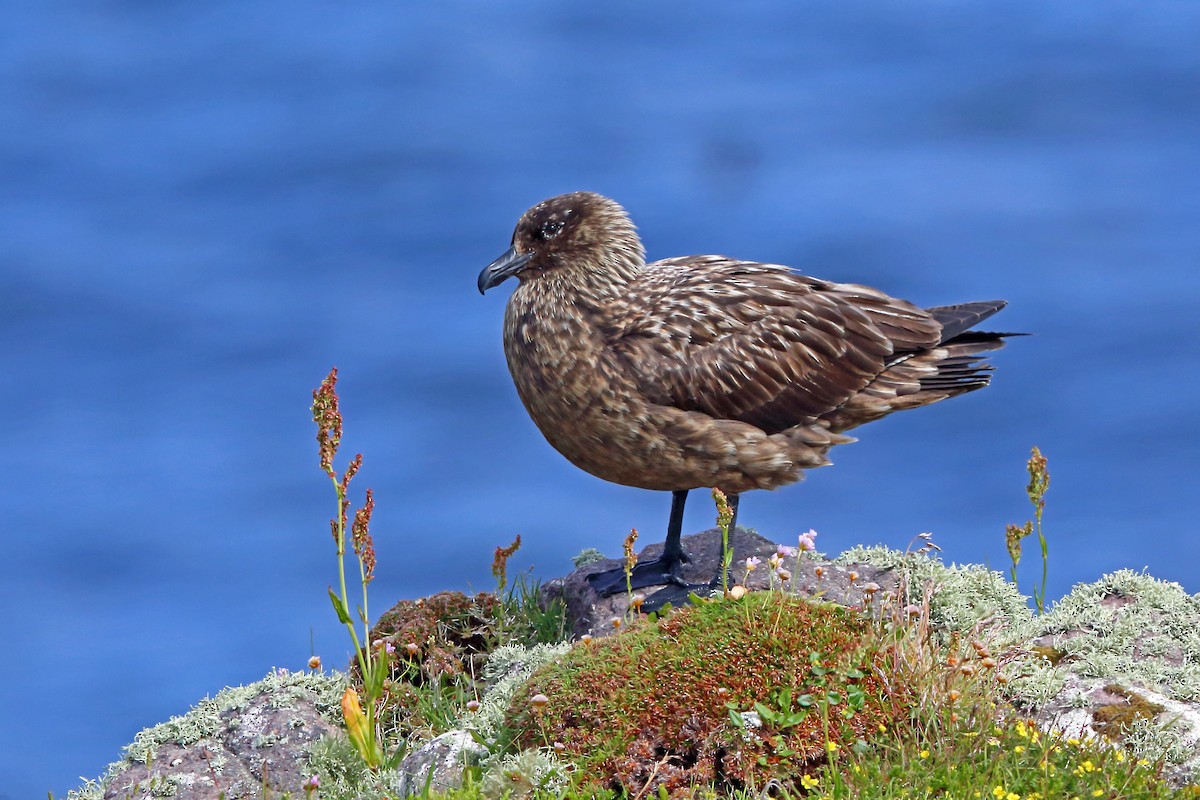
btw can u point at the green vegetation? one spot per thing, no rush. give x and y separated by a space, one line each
373 663
923 693
1039 482
726 693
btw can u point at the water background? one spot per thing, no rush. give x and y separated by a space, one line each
206 205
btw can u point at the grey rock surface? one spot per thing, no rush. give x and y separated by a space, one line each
254 747
439 763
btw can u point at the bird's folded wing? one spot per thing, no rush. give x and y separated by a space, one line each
758 342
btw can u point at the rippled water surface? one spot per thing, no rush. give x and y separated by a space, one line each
207 205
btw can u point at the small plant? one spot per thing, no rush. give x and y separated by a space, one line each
500 564
1039 482
630 563
522 616
724 519
373 663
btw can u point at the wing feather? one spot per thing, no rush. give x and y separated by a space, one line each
759 343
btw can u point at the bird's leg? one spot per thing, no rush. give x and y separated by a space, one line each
666 568
672 554
679 592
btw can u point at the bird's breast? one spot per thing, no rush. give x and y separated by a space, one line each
557 357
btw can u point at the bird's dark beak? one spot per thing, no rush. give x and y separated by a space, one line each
503 268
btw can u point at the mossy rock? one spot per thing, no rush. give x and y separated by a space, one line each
447 631
440 643
726 693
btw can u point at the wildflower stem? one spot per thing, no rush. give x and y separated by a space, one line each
724 520
361 723
1039 482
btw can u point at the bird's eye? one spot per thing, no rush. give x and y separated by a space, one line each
549 229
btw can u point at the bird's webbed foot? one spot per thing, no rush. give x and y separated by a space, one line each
654 572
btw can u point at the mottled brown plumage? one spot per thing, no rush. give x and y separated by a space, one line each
705 371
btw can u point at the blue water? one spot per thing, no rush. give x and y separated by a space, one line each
206 205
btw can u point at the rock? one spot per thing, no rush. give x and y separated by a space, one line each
240 744
810 575
439 763
1120 660
1086 708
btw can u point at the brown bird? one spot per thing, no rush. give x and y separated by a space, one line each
705 371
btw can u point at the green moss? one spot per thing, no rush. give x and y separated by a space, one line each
1053 655
342 771
726 693
527 774
1113 721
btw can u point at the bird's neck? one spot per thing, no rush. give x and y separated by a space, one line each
593 286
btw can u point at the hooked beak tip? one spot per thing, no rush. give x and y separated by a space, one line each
502 269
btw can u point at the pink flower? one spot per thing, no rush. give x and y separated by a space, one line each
808 540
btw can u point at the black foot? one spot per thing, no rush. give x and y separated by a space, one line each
656 572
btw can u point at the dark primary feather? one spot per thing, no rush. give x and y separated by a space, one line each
959 318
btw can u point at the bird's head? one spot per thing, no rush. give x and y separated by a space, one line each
582 234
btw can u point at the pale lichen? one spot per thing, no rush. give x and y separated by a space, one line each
204 720
963 595
1131 627
527 774
506 670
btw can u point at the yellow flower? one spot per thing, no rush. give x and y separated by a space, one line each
999 792
808 781
356 726
1088 766
1097 792
924 754
1019 748
831 747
